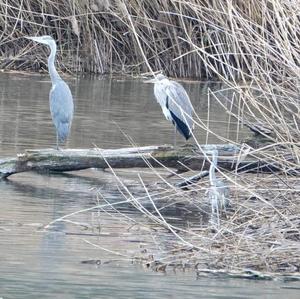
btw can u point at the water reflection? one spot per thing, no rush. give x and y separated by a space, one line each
35 263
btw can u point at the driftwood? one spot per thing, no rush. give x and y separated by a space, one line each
181 158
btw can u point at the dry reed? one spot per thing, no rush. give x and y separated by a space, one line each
198 38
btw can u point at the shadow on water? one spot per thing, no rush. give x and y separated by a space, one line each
47 264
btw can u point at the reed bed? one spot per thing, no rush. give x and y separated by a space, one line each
196 39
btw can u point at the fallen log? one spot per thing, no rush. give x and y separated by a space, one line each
182 158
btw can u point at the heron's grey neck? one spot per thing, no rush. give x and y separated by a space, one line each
51 65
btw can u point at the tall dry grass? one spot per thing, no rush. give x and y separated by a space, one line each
197 38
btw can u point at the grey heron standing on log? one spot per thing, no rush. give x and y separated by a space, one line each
175 104
60 97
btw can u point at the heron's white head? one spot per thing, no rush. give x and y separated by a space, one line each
45 39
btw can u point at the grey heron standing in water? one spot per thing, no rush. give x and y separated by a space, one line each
218 192
175 104
60 97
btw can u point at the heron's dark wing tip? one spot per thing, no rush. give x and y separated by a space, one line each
181 126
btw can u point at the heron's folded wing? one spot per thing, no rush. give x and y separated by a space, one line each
61 102
179 103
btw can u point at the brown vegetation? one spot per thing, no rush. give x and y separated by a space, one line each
198 38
